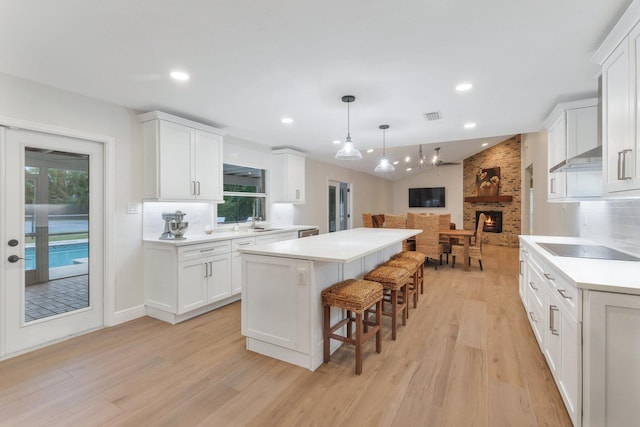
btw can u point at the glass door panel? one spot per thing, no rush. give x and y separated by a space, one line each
56 235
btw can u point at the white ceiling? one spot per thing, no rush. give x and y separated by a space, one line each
254 62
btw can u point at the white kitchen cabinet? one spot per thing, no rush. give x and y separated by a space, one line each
183 159
611 359
619 56
563 336
236 262
523 273
557 152
288 176
572 130
184 281
192 285
204 280
552 305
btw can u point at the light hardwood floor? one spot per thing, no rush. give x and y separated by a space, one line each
466 357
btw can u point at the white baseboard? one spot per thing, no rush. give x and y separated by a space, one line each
128 314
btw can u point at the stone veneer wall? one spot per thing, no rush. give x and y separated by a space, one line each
506 156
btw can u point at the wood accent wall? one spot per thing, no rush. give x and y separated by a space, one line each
505 155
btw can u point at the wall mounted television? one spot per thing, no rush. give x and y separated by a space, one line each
431 197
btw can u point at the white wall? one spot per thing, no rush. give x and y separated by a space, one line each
550 219
450 177
22 99
369 194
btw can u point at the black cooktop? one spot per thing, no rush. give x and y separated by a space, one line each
587 251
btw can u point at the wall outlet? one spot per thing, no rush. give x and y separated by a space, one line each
133 208
302 276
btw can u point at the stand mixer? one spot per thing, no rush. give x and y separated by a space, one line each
174 226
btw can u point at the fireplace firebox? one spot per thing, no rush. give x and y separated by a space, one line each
492 222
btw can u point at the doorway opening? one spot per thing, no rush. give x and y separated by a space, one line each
339 206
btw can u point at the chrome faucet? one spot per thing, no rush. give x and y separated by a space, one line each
253 217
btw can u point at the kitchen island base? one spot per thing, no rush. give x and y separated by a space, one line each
282 305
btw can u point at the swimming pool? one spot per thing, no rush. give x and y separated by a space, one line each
60 253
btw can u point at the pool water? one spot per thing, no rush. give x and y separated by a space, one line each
60 254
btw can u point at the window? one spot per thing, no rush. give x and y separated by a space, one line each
244 190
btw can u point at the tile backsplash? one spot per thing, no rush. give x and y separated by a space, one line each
615 223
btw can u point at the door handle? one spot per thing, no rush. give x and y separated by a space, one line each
14 258
552 319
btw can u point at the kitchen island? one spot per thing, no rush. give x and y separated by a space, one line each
282 284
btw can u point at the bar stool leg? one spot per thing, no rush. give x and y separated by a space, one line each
358 343
405 312
349 324
379 326
325 332
394 313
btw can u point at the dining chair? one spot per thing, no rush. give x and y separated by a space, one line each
445 224
378 220
475 251
367 220
398 221
428 242
411 222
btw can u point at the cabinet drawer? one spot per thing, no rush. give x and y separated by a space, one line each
537 320
201 250
535 287
240 243
563 291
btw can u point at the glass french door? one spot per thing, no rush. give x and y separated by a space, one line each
53 229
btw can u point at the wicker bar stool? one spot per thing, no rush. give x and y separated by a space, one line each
418 256
393 279
353 296
413 267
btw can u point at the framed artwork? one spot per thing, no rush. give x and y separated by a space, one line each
487 182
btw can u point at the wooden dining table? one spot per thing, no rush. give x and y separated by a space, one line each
466 235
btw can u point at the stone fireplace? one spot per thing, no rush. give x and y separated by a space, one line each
492 222
506 156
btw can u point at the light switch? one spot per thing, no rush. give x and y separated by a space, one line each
133 208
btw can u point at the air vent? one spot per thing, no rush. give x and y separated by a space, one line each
434 115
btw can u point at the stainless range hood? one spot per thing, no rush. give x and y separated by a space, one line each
590 160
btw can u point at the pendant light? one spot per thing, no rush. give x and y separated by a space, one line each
384 165
348 152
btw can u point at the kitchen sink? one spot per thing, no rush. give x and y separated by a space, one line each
586 251
262 230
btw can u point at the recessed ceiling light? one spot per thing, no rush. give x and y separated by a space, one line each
370 150
179 75
396 162
485 144
337 141
407 159
463 87
409 169
286 120
469 125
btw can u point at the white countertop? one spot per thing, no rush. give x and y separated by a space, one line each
343 246
228 234
588 273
